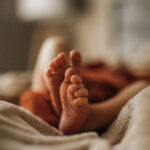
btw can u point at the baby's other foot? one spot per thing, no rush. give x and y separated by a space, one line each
55 76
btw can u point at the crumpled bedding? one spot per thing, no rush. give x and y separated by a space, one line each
101 82
13 83
19 129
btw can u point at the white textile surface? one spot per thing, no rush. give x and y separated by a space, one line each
21 130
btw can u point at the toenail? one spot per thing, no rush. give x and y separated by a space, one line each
76 79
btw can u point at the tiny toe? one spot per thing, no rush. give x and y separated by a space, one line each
63 58
81 93
53 66
75 58
68 74
49 72
74 87
81 101
55 61
76 79
59 62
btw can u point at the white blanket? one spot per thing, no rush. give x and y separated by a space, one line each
21 130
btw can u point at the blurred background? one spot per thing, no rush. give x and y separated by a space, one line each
114 31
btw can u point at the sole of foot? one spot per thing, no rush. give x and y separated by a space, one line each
55 75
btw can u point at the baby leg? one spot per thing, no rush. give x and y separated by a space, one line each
51 47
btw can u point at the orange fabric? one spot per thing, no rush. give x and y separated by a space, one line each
101 82
39 104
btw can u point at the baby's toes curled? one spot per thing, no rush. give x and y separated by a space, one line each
75 87
81 101
82 92
81 97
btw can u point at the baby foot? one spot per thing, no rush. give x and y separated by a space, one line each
74 103
55 76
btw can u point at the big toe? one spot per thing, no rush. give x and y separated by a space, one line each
75 58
